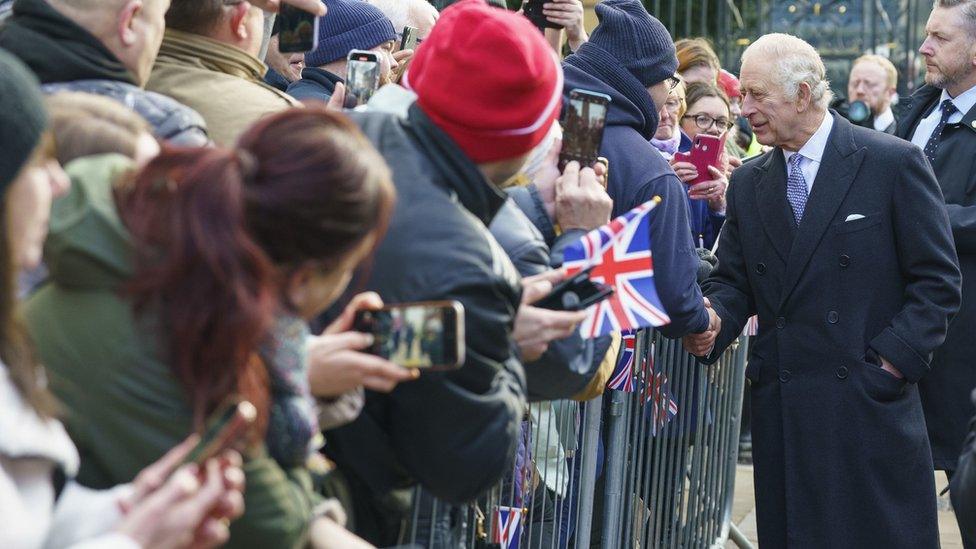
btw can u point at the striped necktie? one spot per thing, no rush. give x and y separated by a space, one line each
796 188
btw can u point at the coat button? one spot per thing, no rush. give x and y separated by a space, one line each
761 268
780 322
842 372
845 260
832 317
784 376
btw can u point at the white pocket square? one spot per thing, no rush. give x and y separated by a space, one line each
853 217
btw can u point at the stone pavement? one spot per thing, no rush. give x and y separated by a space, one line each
744 510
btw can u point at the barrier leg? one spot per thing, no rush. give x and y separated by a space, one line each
591 440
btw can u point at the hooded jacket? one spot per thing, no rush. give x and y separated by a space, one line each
637 174
223 83
316 84
66 57
125 408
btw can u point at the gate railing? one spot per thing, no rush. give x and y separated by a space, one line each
650 468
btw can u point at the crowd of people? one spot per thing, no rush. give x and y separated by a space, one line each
192 220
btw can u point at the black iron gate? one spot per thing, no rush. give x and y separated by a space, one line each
841 30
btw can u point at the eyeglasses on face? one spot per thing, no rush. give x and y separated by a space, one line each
704 122
673 82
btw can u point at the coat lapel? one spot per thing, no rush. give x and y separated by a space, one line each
774 210
920 103
838 167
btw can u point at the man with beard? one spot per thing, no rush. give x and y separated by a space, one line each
349 25
941 118
283 68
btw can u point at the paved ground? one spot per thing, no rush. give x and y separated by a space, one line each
744 511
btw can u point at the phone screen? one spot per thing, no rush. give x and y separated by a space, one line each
299 30
586 114
409 40
533 11
362 78
420 335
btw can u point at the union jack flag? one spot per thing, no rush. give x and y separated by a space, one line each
620 253
507 529
622 378
661 406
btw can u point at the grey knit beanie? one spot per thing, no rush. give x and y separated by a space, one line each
22 118
349 25
640 42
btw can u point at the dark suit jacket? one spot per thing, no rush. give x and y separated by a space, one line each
840 448
945 392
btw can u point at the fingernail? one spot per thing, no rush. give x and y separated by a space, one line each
370 339
414 374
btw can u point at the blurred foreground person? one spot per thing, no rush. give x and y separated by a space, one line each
40 503
268 236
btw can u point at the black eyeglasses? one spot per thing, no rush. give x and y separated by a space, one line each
673 82
704 122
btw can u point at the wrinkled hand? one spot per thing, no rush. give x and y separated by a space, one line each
703 343
192 508
713 191
569 14
581 201
314 6
535 328
335 363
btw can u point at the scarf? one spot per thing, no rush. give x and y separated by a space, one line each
56 48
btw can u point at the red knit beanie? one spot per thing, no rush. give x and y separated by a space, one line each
487 78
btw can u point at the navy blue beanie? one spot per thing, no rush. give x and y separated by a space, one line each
349 25
22 119
640 42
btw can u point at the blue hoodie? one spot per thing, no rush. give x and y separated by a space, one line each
638 173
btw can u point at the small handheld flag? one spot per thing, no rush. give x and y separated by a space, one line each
507 530
620 254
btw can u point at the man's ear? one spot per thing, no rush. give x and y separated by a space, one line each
238 20
804 96
126 18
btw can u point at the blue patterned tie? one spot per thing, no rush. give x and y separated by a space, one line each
948 109
796 188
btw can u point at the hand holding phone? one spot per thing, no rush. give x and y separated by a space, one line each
576 293
362 77
426 334
706 151
226 429
583 123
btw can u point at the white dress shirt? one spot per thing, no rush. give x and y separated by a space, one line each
883 120
927 125
812 151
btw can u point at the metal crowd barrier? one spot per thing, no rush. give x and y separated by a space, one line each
651 468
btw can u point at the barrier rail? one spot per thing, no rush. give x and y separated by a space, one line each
652 468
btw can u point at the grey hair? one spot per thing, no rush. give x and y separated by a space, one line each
793 62
397 11
968 9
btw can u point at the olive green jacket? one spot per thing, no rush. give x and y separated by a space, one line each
123 406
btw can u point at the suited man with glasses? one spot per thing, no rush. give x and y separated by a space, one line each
839 241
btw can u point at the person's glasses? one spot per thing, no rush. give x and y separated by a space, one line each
673 82
704 122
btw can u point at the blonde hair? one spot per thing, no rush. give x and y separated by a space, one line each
84 125
695 52
890 71
792 62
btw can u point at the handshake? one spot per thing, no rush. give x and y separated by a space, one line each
703 343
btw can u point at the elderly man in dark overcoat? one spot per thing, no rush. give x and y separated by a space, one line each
838 239
941 119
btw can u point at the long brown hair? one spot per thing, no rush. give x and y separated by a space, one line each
213 228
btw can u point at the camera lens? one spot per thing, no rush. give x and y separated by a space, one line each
858 112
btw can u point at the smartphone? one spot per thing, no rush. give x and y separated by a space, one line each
706 151
586 115
299 30
426 334
226 429
362 77
409 40
576 293
533 10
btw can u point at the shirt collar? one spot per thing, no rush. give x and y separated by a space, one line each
964 102
814 148
884 120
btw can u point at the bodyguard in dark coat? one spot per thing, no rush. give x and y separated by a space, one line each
946 391
852 298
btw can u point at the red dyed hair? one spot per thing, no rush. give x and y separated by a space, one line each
213 228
